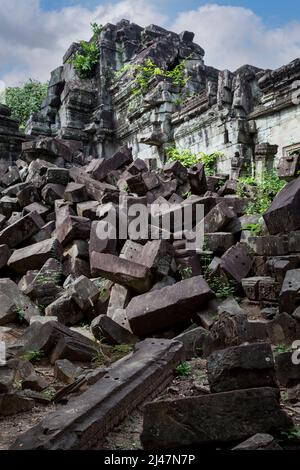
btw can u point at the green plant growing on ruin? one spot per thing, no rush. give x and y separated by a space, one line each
87 57
144 74
210 161
106 355
21 314
33 356
283 348
184 156
284 396
293 434
97 29
120 351
18 384
189 159
183 370
49 393
223 288
187 194
255 229
265 191
25 99
185 272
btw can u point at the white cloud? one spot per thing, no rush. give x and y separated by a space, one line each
33 42
234 36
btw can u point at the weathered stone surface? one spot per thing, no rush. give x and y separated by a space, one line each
27 195
45 287
7 379
170 305
157 255
65 371
103 168
5 254
87 418
213 419
121 271
193 340
219 242
119 298
104 327
14 403
73 228
57 342
290 292
14 304
197 179
35 382
283 215
218 217
288 374
52 192
237 262
79 297
8 205
35 256
283 329
75 193
228 330
259 442
103 238
241 367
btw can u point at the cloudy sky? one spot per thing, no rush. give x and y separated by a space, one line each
34 34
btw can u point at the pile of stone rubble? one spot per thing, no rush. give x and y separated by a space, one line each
57 274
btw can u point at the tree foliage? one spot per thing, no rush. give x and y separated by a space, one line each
26 99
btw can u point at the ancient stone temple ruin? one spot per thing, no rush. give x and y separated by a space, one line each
250 115
95 325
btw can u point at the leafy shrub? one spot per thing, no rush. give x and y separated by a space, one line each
255 229
184 370
87 57
188 158
185 156
266 190
144 73
210 161
26 100
185 271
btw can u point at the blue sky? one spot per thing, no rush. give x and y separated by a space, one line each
275 12
34 34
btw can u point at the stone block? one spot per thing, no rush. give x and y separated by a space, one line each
224 417
237 262
241 367
35 256
21 230
283 215
125 386
121 271
168 306
113 333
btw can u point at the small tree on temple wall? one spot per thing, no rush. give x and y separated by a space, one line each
26 99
